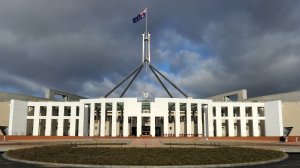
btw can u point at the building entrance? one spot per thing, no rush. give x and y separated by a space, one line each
145 130
157 131
133 131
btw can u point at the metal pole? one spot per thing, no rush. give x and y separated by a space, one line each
143 54
146 21
122 81
132 81
185 95
161 82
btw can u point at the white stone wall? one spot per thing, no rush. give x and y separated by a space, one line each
17 117
207 123
274 124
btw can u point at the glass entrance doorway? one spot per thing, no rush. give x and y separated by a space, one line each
145 130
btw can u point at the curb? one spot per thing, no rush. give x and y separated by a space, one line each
5 156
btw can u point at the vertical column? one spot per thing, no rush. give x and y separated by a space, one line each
86 119
177 119
102 124
218 121
199 119
114 119
125 125
230 121
188 119
36 121
243 121
60 120
73 120
81 120
166 125
92 119
209 121
152 125
138 125
255 121
48 120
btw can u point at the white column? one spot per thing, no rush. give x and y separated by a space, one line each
36 121
243 121
218 121
125 125
255 121
60 120
199 119
81 121
209 121
102 124
177 119
86 119
138 125
48 120
114 119
73 120
230 121
166 125
92 119
152 125
188 119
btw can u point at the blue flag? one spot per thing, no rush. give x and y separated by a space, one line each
140 16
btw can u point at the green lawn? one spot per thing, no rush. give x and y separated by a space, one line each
143 156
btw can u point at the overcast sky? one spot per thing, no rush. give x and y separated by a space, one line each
206 47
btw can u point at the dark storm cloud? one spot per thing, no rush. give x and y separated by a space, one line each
206 47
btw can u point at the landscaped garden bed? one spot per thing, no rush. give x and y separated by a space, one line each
71 154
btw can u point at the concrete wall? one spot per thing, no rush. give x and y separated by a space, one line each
4 114
291 116
240 94
51 93
5 97
284 97
274 123
17 118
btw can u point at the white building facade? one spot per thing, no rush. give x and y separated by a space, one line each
161 117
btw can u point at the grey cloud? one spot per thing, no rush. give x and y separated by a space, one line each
206 47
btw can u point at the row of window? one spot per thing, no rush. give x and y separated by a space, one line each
54 111
237 111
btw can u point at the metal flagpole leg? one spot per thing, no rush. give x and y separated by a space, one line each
161 82
185 95
123 81
132 81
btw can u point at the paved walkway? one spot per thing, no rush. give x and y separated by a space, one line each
149 142
293 161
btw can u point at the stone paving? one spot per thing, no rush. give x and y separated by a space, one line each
147 142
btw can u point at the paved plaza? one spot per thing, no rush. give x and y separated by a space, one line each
17 142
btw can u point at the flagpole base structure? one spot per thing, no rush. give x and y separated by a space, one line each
146 58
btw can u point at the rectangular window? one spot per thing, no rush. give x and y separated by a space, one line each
214 111
236 111
77 110
120 106
30 111
248 111
146 107
108 106
43 110
224 111
261 111
67 111
55 110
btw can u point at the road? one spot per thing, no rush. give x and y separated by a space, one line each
292 162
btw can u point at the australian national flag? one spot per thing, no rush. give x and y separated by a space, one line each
140 16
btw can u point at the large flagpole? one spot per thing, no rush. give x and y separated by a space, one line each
146 34
146 20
